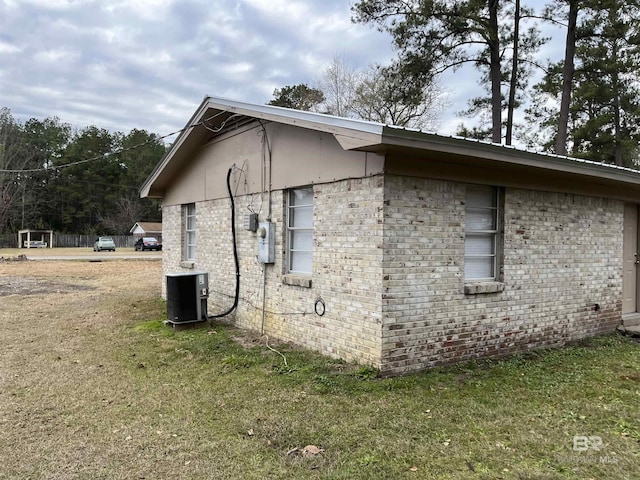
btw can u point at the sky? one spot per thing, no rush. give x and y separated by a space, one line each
148 64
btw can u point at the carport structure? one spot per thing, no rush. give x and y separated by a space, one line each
35 238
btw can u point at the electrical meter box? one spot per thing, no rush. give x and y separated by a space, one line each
266 242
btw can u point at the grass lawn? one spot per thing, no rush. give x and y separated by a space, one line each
93 385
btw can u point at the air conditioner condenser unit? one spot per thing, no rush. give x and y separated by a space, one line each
187 295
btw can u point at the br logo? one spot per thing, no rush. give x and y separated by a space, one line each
582 443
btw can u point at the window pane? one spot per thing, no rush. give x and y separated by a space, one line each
301 217
480 219
302 240
300 230
481 225
301 196
189 245
478 244
301 262
479 196
478 267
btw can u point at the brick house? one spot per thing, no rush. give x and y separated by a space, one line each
147 229
397 248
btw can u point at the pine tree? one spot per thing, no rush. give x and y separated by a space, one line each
433 36
604 109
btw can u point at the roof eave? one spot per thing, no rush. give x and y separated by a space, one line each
351 134
400 138
147 189
373 137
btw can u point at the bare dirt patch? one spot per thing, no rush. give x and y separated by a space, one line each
31 253
23 277
16 285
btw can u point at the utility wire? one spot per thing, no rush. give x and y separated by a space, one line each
92 159
127 149
109 154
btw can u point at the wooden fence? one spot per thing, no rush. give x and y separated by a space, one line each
73 240
10 240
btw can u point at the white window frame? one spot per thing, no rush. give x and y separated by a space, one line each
189 212
492 212
293 230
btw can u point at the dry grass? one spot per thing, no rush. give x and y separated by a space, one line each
69 252
58 370
92 385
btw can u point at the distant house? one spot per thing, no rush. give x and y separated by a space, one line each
147 229
393 247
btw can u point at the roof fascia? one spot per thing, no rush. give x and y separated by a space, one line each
415 140
182 137
370 136
351 134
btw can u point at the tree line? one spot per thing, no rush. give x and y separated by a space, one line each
81 181
585 104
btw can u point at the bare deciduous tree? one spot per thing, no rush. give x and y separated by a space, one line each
338 83
15 156
383 97
128 211
379 94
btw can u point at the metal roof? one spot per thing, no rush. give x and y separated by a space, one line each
216 115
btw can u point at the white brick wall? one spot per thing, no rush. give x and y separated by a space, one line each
347 266
562 255
389 264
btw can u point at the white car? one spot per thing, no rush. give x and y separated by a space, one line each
104 243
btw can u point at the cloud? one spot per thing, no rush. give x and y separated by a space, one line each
147 64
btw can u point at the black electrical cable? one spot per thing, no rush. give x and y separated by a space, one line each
321 308
235 250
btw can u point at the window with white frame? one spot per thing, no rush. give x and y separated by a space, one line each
189 213
481 241
300 230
